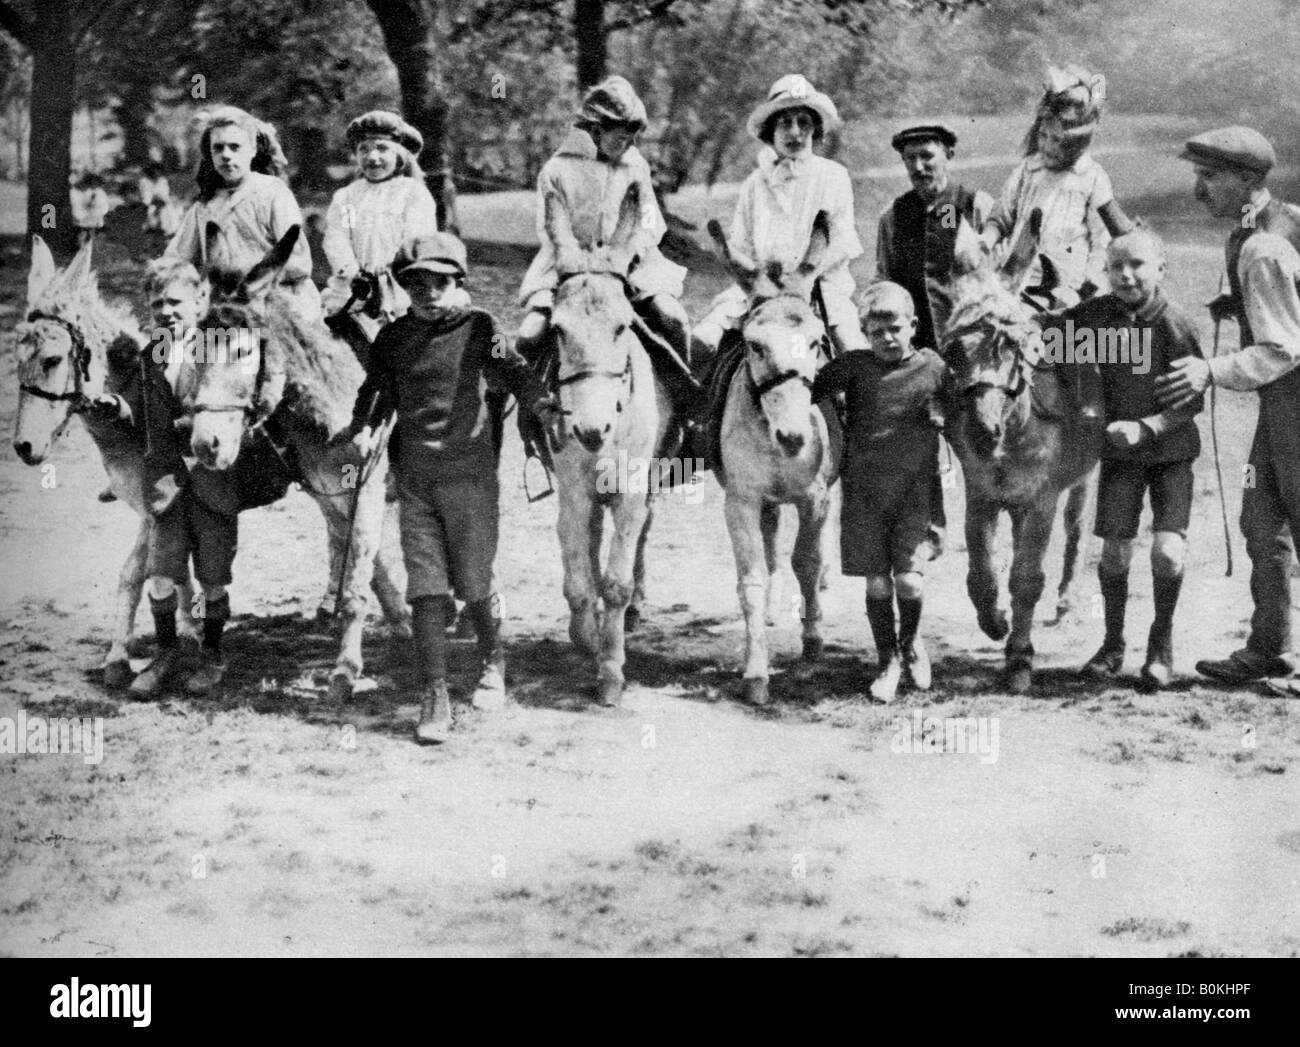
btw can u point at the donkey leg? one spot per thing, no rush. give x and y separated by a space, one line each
130 583
770 520
807 563
367 529
1031 531
336 525
1076 503
745 525
574 527
631 517
392 600
633 617
981 578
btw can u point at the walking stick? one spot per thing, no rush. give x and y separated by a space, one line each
1214 440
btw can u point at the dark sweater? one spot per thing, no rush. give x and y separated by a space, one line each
1129 396
142 383
894 418
435 376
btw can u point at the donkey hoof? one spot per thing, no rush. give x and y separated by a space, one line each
610 693
1018 679
341 687
756 690
994 624
117 674
812 648
631 618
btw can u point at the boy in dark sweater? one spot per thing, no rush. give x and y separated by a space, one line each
1146 449
434 366
894 420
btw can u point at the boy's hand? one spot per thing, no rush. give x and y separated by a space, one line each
1124 435
107 408
365 441
547 408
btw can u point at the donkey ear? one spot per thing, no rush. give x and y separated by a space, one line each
629 217
78 274
818 244
968 252
744 274
42 272
258 280
1022 253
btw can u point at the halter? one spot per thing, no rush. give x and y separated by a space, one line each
1023 365
79 358
758 390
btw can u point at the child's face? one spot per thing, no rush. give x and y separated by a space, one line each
1135 270
377 158
792 132
612 141
232 154
429 292
176 306
1054 145
890 334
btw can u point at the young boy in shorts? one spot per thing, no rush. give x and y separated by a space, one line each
894 418
433 367
1146 449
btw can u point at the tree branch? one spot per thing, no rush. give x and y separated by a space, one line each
647 13
17 26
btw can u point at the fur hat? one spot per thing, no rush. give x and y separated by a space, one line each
379 123
793 92
612 101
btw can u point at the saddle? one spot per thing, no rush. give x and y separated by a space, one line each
669 367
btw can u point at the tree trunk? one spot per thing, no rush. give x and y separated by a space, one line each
132 114
589 32
49 151
409 30
309 150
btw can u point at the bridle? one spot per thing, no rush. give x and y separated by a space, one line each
999 338
79 359
759 389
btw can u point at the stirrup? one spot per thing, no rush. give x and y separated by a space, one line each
550 487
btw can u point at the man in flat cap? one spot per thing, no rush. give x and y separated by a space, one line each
1263 260
914 244
914 249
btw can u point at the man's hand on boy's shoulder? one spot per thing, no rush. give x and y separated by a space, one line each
108 408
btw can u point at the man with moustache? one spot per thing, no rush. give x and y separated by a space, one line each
1263 261
916 237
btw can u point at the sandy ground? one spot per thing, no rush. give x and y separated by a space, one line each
272 822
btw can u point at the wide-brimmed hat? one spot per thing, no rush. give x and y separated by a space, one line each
612 101
433 252
793 92
379 123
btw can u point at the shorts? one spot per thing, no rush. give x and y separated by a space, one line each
449 537
1120 491
190 529
882 540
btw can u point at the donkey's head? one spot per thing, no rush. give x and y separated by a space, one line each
62 347
229 351
991 341
783 336
592 323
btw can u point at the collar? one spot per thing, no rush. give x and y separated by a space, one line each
946 195
1260 198
577 143
1152 308
777 169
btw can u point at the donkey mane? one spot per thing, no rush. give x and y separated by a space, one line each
321 374
983 297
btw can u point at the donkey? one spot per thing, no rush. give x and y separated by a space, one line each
72 347
322 379
775 446
1016 456
615 412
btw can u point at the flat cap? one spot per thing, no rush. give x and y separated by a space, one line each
924 133
1240 147
435 252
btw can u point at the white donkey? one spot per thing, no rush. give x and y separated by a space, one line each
64 362
614 414
775 446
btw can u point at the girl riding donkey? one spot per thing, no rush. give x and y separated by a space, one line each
368 221
585 182
778 204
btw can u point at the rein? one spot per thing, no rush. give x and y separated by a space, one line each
80 360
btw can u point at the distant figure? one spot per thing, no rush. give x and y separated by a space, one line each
156 194
89 207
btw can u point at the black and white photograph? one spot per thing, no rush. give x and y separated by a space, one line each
650 478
